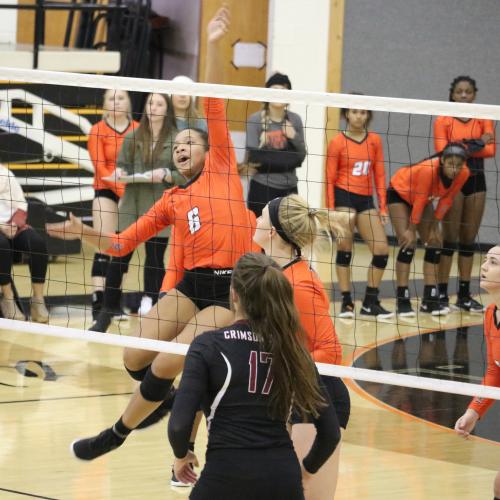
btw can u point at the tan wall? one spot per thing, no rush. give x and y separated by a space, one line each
55 25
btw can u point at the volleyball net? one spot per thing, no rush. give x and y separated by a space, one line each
46 118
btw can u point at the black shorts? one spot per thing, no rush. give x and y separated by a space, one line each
359 202
394 197
476 183
264 474
340 398
206 287
106 193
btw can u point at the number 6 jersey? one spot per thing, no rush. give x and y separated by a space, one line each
212 225
350 165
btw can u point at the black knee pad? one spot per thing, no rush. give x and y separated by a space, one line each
466 250
406 256
154 388
138 374
449 248
432 255
100 265
380 261
343 258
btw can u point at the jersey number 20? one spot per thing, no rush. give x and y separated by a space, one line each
194 220
361 167
265 359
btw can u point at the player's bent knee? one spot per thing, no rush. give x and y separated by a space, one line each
100 265
138 374
343 258
405 255
154 388
380 261
466 250
449 248
137 359
432 255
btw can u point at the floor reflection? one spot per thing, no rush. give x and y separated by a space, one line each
457 354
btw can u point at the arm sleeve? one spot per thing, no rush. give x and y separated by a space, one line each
447 200
175 266
440 133
423 190
192 388
272 160
327 436
222 158
151 223
124 161
298 141
332 163
489 150
492 375
16 193
380 181
96 150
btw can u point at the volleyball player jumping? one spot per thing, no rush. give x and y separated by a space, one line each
213 227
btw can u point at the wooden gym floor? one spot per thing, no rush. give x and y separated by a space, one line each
76 389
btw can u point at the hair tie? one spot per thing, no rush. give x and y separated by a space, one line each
312 211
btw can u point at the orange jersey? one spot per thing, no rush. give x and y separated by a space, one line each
448 129
175 267
421 183
351 165
492 375
104 144
209 214
314 310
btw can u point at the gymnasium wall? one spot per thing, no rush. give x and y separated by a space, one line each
414 49
8 23
182 38
298 46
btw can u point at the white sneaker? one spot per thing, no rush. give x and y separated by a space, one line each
146 305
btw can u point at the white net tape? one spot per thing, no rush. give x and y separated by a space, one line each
388 104
380 377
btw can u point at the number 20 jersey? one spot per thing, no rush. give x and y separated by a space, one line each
351 165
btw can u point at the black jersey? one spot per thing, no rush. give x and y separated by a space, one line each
228 374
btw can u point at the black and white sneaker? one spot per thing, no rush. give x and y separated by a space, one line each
468 304
161 412
176 482
433 307
102 322
347 310
444 300
375 310
93 447
404 309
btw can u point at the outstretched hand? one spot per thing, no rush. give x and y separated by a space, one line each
68 230
219 24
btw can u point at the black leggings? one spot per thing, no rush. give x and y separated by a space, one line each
154 271
259 195
27 241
